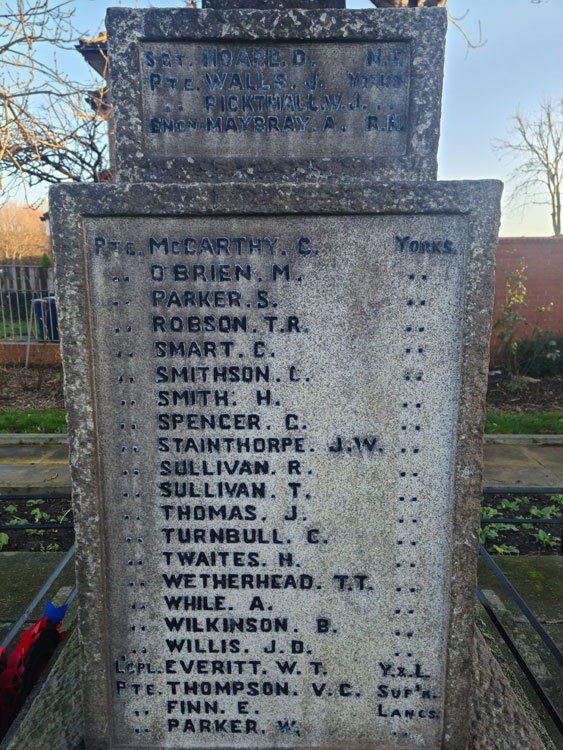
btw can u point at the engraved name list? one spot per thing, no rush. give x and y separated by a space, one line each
308 95
275 506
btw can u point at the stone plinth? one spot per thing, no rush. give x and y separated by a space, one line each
275 95
275 407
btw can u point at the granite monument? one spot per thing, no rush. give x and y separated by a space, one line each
285 95
275 381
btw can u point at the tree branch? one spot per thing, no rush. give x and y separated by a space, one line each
537 148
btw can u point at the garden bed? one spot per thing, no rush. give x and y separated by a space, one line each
34 388
520 394
523 539
17 512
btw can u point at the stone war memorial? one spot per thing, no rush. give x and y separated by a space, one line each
275 337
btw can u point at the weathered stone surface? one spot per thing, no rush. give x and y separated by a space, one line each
498 720
299 95
273 4
363 326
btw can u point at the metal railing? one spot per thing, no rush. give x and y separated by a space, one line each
54 574
19 287
522 490
513 648
35 496
14 630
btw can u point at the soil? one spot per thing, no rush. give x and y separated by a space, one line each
523 538
525 395
37 540
34 388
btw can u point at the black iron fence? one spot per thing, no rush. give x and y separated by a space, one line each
27 309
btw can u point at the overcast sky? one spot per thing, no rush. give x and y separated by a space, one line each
520 64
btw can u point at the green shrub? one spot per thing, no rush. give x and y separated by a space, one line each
541 356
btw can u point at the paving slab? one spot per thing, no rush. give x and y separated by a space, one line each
32 469
525 465
35 438
513 439
34 455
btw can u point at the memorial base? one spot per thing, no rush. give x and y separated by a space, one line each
52 716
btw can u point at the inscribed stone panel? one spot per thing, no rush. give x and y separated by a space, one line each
280 96
275 451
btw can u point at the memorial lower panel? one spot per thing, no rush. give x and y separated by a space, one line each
276 406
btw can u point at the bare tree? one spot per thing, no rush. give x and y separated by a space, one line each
48 129
434 4
22 233
537 148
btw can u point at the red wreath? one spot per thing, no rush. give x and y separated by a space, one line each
20 670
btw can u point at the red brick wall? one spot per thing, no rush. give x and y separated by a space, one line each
39 354
543 258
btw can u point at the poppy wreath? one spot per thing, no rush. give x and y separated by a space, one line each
20 670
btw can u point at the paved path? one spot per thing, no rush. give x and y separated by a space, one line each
44 468
41 469
523 465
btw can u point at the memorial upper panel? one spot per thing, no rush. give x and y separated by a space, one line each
235 95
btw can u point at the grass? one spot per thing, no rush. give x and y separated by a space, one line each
13 329
540 423
33 420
